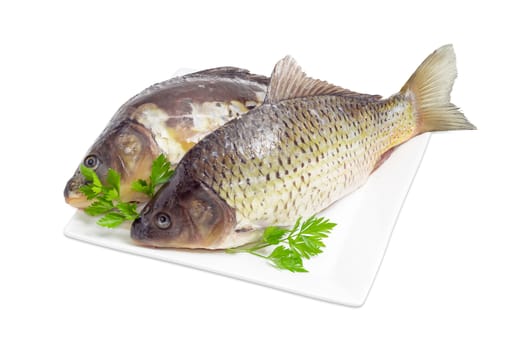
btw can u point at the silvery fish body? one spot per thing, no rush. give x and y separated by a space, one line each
169 118
310 144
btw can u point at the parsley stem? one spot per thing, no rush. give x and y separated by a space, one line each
259 246
257 254
252 250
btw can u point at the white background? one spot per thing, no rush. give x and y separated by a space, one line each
448 280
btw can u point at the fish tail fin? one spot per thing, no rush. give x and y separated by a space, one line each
430 88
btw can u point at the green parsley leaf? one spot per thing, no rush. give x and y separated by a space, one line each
113 180
274 234
90 191
110 194
316 226
161 171
94 186
99 207
287 259
111 220
307 242
141 186
128 210
90 175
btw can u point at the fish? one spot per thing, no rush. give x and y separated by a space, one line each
167 118
308 145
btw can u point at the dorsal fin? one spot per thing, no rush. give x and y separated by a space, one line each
289 81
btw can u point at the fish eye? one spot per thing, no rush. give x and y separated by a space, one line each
91 161
162 220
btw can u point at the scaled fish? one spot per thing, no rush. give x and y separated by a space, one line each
310 144
170 118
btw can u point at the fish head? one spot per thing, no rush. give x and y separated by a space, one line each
185 213
128 149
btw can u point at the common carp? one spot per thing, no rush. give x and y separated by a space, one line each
170 118
310 144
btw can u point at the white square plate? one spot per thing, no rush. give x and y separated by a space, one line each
342 274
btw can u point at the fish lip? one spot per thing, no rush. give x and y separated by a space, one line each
79 202
72 195
75 198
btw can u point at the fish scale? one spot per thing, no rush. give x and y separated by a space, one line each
313 151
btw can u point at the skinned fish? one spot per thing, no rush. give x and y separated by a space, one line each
310 144
169 118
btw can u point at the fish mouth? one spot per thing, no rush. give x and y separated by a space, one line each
73 197
76 200
139 234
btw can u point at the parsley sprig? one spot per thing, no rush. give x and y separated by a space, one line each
106 197
303 241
